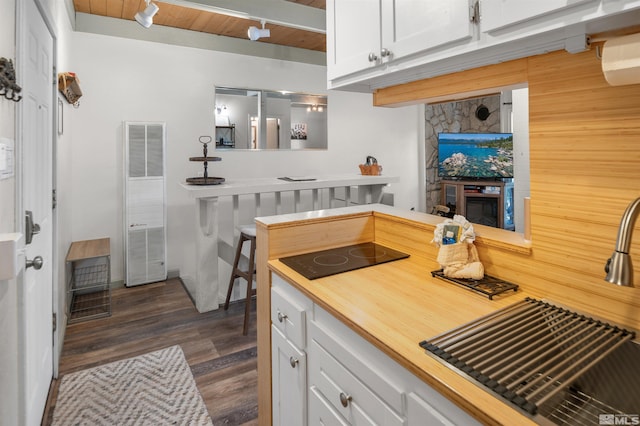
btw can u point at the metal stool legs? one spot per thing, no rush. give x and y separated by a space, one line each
247 275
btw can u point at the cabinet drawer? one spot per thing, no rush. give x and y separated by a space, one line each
321 412
359 394
288 311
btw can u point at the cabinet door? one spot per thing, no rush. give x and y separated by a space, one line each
502 13
353 32
289 381
412 26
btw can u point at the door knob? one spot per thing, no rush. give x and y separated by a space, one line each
373 57
36 263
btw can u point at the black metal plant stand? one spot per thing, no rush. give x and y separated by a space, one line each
205 179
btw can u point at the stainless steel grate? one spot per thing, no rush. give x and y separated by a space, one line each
528 352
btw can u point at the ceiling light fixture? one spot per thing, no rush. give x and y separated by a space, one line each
145 18
255 33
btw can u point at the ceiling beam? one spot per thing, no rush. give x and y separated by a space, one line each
279 12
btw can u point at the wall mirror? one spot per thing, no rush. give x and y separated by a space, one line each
259 119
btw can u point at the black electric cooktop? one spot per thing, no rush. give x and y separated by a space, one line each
342 259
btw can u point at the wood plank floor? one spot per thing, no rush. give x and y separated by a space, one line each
155 316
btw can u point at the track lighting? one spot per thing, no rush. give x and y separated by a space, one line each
145 18
255 33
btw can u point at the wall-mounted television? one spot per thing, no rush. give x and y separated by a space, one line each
475 155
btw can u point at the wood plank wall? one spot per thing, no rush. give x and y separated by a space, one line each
585 170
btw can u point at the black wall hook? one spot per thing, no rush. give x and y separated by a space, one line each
8 87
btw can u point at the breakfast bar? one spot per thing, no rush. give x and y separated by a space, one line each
287 194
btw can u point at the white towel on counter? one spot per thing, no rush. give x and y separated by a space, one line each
467 234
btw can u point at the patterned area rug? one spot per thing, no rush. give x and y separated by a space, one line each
152 389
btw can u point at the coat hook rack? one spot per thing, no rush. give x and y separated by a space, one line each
8 86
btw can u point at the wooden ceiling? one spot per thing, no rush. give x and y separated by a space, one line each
196 19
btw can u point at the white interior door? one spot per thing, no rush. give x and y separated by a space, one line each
35 55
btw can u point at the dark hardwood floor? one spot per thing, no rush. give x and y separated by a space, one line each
155 316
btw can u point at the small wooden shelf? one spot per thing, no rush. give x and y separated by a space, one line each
89 272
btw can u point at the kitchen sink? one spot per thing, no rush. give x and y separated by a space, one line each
609 390
557 366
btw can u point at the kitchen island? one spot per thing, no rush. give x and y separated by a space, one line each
392 306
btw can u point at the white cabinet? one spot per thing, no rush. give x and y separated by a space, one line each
321 412
362 35
502 13
351 383
412 26
289 310
353 35
289 381
323 373
379 43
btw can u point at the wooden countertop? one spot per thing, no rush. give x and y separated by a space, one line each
397 305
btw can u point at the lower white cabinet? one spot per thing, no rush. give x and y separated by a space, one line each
321 412
349 383
333 376
289 381
289 310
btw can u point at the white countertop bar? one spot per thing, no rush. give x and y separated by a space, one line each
207 284
274 184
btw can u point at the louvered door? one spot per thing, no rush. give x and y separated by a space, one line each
145 203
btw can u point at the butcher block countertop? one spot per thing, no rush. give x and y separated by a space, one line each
396 305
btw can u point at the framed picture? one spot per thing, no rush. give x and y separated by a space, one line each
298 130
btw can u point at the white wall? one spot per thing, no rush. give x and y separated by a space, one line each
8 289
143 81
520 100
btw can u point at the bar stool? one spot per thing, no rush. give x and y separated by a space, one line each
247 233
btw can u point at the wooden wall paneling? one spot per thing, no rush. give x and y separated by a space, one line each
408 237
584 157
320 235
483 80
580 191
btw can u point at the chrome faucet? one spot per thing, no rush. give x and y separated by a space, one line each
618 268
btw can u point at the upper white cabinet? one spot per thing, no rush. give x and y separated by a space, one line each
373 44
366 34
502 13
353 36
412 26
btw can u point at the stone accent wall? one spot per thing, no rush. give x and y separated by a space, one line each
454 117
